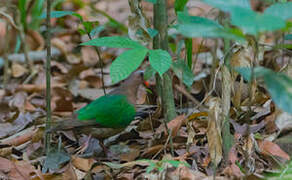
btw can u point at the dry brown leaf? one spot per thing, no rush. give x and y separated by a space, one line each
61 45
131 155
59 66
82 163
152 150
22 120
270 148
17 170
174 125
6 152
20 138
214 131
49 177
18 100
18 70
35 40
69 173
125 176
283 120
183 172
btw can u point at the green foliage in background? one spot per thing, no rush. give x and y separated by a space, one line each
279 85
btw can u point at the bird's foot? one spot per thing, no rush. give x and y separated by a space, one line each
84 146
105 150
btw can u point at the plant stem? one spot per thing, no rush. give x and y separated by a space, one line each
161 42
48 78
6 61
165 82
100 64
227 138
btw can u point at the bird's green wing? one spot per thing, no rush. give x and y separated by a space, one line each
113 111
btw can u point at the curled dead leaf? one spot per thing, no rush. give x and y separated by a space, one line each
214 131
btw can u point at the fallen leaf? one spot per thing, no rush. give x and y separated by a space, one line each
18 100
18 70
69 173
17 170
82 163
173 125
20 123
130 156
270 148
214 131
20 138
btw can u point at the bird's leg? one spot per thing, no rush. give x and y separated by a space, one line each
105 150
84 146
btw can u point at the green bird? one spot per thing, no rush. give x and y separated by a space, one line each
107 115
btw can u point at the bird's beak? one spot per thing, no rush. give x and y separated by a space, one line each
146 83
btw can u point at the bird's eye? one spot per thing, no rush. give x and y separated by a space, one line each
141 74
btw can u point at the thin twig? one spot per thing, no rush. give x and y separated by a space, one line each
100 64
189 96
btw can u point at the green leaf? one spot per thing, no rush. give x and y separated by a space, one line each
183 72
36 13
22 9
195 26
280 88
149 72
95 31
160 60
113 165
258 72
252 22
281 10
227 5
89 25
175 163
279 85
81 31
126 63
37 8
152 1
113 42
59 14
288 37
189 49
179 5
152 32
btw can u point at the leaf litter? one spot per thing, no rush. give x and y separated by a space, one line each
143 151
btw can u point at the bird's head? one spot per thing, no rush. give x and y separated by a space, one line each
136 78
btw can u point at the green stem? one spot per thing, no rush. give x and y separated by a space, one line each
227 138
161 42
100 64
48 78
165 82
